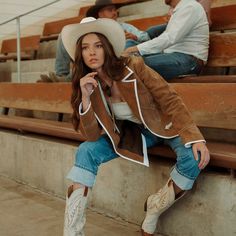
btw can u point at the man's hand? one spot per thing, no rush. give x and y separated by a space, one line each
128 51
129 35
201 148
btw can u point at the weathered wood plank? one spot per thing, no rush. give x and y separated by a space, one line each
211 105
223 17
55 27
40 96
145 23
205 79
222 51
29 43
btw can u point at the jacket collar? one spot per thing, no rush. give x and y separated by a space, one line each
128 72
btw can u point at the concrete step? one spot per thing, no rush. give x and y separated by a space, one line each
27 77
25 211
122 187
29 66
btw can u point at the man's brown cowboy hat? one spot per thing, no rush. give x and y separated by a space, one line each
99 4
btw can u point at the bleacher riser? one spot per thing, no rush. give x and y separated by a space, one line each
122 186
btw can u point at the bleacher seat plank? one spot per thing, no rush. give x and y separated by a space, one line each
40 96
223 18
222 51
28 44
39 126
83 10
145 23
205 79
211 104
55 27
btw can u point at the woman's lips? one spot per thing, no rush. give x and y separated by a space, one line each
93 60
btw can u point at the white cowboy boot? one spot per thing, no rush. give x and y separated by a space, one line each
156 204
75 217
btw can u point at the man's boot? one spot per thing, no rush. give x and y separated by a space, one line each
52 77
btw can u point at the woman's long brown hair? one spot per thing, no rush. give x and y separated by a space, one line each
113 67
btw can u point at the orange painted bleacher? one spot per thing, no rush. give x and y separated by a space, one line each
29 48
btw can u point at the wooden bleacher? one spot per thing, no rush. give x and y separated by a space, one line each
52 29
212 106
222 54
223 18
145 23
29 48
219 23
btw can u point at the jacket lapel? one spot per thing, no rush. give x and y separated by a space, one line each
128 89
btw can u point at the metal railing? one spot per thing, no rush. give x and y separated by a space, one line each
17 18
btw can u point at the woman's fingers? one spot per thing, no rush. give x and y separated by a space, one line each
88 83
200 149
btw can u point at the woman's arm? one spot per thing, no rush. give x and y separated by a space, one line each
88 124
169 102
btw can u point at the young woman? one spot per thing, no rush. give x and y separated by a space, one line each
122 107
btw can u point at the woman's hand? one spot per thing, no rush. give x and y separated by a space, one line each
87 85
201 148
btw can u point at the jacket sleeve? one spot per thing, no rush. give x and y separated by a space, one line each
88 125
169 102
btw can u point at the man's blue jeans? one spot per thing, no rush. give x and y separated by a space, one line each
90 155
172 65
62 64
168 65
156 30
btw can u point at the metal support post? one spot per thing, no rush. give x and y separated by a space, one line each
18 51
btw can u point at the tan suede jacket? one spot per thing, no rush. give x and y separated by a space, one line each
151 100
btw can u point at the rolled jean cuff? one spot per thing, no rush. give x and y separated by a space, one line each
81 176
181 181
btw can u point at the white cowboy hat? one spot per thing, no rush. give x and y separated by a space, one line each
107 27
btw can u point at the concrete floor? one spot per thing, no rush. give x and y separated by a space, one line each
28 212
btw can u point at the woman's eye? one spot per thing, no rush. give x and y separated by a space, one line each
84 48
99 46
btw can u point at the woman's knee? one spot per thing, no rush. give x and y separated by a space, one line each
187 165
84 153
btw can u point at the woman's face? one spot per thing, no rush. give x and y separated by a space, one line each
93 52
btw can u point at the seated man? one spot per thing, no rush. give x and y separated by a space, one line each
101 9
183 47
156 30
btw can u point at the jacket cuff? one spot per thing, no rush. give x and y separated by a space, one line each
189 144
81 109
190 135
